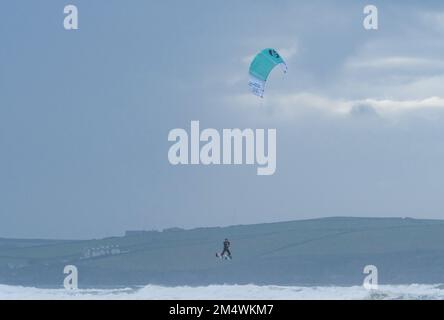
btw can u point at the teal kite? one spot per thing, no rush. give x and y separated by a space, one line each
260 68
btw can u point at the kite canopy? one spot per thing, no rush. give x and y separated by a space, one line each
260 68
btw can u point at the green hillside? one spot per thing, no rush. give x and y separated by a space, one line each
322 251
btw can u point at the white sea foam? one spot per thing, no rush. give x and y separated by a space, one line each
235 292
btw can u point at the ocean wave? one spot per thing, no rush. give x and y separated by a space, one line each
235 292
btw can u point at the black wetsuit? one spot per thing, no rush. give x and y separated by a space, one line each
226 248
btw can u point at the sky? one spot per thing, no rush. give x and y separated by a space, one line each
85 114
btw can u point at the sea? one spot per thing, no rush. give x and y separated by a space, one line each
230 292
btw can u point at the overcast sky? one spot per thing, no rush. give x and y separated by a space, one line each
85 115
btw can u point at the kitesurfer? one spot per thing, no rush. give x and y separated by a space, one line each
226 248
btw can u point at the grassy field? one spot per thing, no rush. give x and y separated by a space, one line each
310 252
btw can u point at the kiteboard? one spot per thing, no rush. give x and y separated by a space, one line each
224 257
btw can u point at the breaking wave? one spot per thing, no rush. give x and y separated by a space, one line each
234 292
